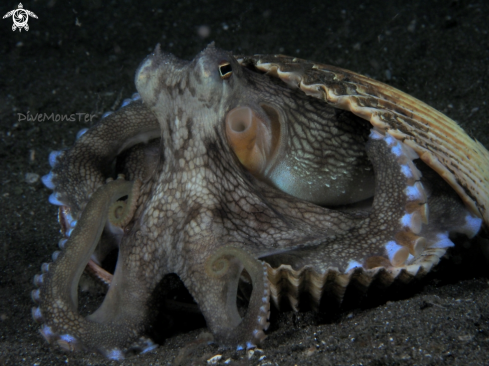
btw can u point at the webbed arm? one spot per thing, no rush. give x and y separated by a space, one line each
115 328
214 285
80 170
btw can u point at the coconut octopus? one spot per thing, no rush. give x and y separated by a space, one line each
262 169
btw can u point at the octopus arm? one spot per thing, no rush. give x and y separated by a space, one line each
405 233
58 285
215 288
79 171
399 228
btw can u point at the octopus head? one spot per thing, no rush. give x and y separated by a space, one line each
213 96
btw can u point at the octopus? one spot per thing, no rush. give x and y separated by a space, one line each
262 170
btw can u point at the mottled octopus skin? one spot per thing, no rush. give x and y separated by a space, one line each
201 214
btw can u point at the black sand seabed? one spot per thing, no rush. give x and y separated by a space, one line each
80 57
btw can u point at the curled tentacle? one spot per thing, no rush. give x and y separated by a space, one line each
250 330
80 170
58 285
216 267
121 212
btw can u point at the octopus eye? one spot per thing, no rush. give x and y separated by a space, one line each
225 70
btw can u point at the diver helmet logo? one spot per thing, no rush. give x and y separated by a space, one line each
20 16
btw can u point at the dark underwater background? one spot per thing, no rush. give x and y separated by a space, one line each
80 57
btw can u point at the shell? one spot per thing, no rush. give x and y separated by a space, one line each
462 162
287 282
438 140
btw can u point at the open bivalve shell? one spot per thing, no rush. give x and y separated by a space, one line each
462 162
287 283
438 140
